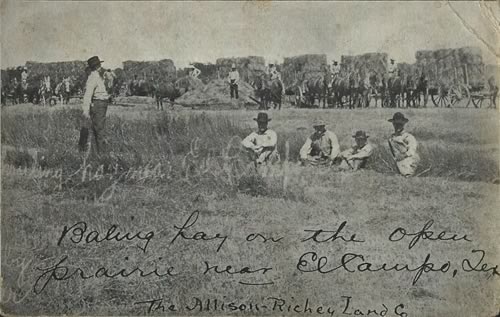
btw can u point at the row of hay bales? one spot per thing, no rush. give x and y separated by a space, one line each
146 70
364 64
443 66
303 67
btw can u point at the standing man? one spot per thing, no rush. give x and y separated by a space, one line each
262 144
233 79
392 69
321 148
403 146
95 114
357 156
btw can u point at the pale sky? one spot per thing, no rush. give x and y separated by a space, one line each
186 32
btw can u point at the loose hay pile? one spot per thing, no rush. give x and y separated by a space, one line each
248 67
163 69
303 67
366 63
444 65
188 83
216 95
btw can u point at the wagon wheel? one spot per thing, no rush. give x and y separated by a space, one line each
477 101
458 93
441 99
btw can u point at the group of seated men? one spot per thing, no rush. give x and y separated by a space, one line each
322 147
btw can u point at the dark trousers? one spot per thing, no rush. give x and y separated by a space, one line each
234 90
96 125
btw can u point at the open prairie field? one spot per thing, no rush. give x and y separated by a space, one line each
201 220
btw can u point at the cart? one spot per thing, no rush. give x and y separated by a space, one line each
456 94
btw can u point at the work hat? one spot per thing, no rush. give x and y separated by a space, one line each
392 59
233 65
262 117
398 117
360 134
319 123
94 61
334 61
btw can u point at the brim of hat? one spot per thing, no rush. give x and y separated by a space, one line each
361 137
392 120
262 120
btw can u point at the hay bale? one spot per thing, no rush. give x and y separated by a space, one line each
156 70
366 63
303 67
216 94
188 83
249 67
443 66
208 71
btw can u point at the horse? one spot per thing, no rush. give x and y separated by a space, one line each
268 91
317 88
344 91
395 90
163 90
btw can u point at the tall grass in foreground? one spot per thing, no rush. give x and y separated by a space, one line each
197 151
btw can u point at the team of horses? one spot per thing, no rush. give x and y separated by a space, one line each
44 94
351 91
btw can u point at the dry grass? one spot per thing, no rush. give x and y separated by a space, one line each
170 164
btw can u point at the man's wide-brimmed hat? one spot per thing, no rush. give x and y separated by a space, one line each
94 61
398 117
319 123
360 134
262 117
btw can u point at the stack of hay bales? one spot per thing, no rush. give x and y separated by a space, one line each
249 67
188 83
163 69
298 68
208 71
216 95
57 71
364 64
407 69
443 66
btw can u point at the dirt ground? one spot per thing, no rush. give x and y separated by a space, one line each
386 229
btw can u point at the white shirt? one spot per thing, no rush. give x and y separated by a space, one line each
327 142
358 153
403 145
195 72
262 144
391 69
336 69
94 89
234 75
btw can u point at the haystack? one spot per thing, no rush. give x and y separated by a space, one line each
364 64
188 83
216 94
445 65
163 69
208 71
298 68
248 67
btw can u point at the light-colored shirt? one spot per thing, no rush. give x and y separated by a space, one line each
262 144
356 153
234 75
403 145
321 145
94 89
391 69
24 76
335 69
195 72
275 74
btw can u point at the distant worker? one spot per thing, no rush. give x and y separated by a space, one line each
403 146
321 148
233 80
24 76
193 71
392 69
95 105
274 74
109 80
357 156
262 144
335 69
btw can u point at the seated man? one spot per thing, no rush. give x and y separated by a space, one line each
403 146
262 144
357 156
321 148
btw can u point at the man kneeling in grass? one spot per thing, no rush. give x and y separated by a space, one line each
357 156
321 148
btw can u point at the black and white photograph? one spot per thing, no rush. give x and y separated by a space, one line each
250 158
